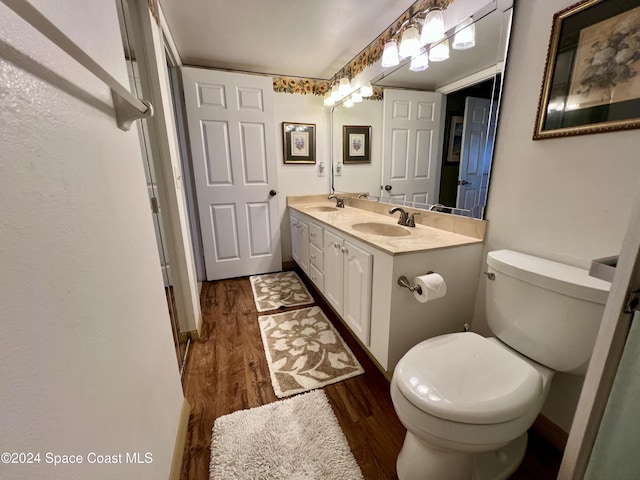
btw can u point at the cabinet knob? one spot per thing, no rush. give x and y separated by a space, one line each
344 250
313 234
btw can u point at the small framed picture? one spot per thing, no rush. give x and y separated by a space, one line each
299 142
356 144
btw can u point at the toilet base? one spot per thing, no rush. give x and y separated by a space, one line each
419 460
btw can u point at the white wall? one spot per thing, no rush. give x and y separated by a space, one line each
566 199
87 362
301 179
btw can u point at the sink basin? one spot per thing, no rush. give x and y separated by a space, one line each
384 229
322 208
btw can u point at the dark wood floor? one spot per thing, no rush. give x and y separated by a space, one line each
227 371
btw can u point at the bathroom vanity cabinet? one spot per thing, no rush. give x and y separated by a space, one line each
348 279
359 280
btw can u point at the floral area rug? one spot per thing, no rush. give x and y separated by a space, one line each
294 439
304 351
282 289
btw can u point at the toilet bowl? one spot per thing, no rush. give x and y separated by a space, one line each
476 396
466 400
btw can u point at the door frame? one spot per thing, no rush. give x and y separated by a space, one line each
151 58
606 356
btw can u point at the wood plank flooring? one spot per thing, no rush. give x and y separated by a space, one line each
227 371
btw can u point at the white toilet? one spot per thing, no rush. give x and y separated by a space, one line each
468 401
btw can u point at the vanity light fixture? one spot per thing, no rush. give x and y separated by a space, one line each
335 93
328 100
366 90
390 54
419 63
465 35
356 96
433 28
410 43
439 52
348 103
344 86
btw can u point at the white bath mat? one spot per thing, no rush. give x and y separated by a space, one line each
294 439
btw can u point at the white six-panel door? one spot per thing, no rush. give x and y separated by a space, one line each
475 154
411 145
232 135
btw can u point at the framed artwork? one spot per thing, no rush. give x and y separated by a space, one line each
591 81
299 142
455 140
356 144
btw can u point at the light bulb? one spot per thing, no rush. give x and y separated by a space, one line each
348 103
356 97
419 63
366 90
335 93
328 100
390 54
345 86
465 36
433 28
439 52
410 43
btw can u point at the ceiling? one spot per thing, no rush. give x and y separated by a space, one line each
303 38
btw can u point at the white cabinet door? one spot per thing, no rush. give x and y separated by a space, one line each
333 270
303 242
300 243
358 269
295 243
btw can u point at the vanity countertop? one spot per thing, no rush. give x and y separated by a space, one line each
419 239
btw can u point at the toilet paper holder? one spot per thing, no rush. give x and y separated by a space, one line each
403 281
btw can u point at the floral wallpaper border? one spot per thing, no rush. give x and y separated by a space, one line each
370 55
311 86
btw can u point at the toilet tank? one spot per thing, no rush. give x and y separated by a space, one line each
548 311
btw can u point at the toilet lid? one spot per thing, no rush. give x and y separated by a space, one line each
465 378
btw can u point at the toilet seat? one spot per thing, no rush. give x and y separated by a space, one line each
466 378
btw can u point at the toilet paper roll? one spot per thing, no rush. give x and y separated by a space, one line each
432 285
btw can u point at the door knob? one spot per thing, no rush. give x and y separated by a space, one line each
387 188
273 193
463 182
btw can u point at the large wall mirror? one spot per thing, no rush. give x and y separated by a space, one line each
452 175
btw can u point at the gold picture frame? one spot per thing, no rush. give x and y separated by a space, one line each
299 142
591 81
356 144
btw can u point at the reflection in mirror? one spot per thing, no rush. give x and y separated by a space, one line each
453 173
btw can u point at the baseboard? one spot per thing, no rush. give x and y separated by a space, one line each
551 432
181 440
289 265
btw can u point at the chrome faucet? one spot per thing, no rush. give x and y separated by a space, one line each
405 219
339 200
404 216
